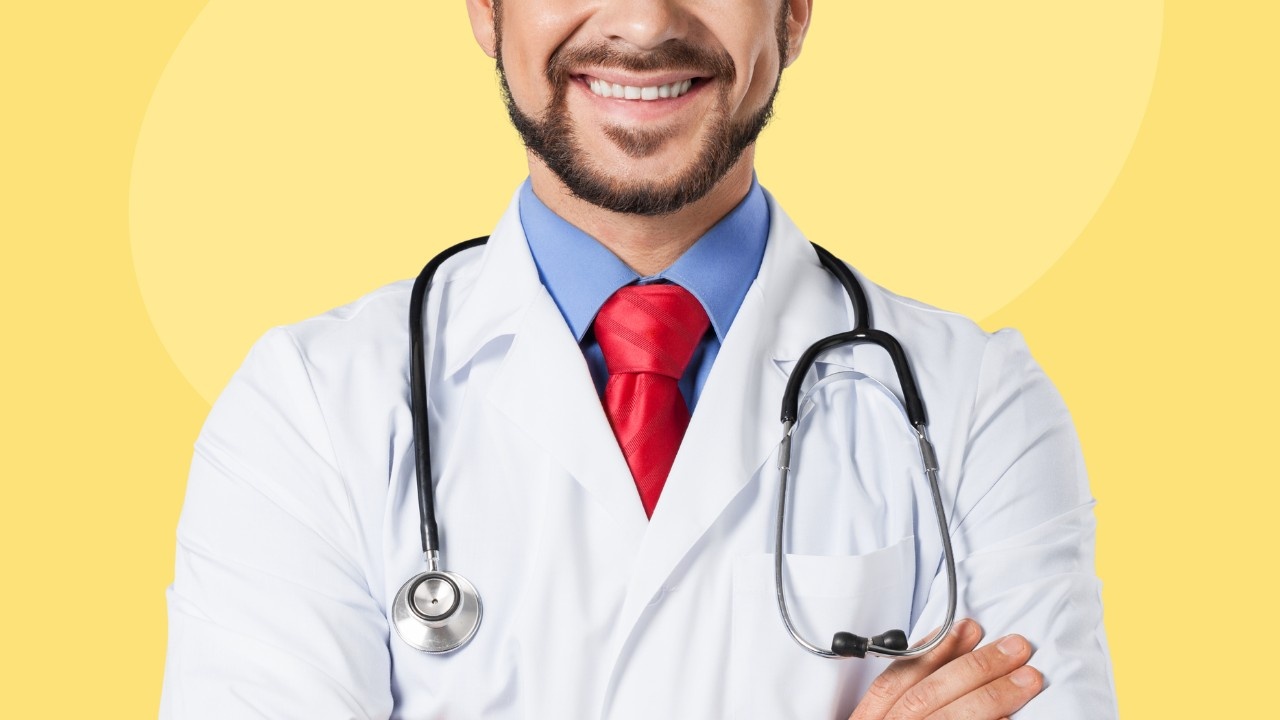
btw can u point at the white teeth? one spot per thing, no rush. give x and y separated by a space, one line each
631 92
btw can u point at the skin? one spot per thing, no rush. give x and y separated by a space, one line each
655 147
958 680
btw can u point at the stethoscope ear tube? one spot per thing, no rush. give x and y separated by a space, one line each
892 643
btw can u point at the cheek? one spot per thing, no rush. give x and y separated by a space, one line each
524 80
757 76
529 38
767 67
752 41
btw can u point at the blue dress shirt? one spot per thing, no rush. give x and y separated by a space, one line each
581 274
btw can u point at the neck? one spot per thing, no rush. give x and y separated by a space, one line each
647 245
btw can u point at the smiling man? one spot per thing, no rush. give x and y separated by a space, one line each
602 382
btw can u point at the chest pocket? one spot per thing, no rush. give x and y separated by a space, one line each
771 675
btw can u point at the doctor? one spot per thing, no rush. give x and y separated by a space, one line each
611 491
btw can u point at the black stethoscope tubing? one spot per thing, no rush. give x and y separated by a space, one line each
418 394
860 334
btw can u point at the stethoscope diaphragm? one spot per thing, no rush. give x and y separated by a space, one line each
436 612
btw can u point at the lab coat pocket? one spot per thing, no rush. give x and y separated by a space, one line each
770 674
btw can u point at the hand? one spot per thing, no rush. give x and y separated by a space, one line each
955 682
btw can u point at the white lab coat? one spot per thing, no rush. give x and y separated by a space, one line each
301 522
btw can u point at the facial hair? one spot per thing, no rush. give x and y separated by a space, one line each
553 136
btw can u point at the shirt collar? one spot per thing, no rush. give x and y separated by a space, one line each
580 273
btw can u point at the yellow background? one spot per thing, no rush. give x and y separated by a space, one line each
1153 323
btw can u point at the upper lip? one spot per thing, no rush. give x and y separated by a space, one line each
621 77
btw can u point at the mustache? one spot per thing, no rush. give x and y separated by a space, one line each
671 55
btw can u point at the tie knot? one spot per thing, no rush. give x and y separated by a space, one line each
650 329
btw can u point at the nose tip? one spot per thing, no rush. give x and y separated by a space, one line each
642 24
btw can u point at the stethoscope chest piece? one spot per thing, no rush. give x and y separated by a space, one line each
436 612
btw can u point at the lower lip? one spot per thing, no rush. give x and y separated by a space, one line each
643 110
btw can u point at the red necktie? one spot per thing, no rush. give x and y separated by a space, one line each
648 334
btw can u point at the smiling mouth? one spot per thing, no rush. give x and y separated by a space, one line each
605 89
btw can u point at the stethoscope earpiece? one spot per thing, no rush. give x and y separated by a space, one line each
847 644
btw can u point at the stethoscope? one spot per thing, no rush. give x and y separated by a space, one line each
438 611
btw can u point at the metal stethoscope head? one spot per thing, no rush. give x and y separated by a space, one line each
892 643
436 611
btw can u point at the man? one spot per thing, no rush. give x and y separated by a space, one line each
604 379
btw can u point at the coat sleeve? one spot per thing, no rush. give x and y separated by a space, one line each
270 611
1023 530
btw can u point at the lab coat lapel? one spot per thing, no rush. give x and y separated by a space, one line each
505 284
736 428
542 386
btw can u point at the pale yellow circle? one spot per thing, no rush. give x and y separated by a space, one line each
296 155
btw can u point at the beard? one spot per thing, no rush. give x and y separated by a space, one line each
554 139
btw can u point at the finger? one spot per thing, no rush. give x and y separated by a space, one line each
966 674
997 699
901 675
